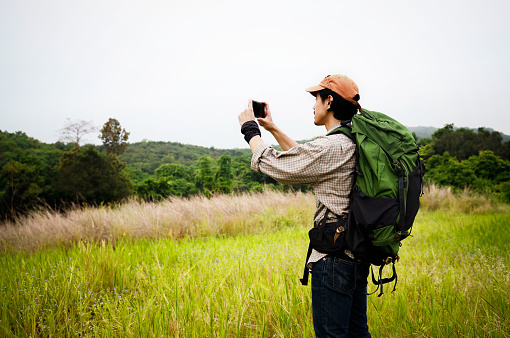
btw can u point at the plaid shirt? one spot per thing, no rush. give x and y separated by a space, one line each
326 163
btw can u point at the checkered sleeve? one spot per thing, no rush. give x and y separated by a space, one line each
299 165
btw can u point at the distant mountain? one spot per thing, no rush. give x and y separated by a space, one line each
426 132
423 132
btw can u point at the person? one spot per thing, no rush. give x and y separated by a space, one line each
339 287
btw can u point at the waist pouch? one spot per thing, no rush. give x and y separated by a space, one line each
329 237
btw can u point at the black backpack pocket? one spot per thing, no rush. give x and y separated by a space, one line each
366 215
373 212
328 237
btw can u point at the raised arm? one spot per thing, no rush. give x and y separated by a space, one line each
283 140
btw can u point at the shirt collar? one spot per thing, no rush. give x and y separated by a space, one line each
335 126
338 125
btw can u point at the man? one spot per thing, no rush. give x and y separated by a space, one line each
327 163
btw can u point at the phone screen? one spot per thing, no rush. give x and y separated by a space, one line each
259 109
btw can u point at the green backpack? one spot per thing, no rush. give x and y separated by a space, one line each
386 190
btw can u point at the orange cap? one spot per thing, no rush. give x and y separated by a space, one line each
340 84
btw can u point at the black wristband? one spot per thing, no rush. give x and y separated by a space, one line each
250 129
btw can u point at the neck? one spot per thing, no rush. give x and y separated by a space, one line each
331 123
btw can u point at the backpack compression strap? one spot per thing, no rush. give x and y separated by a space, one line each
401 197
382 281
306 272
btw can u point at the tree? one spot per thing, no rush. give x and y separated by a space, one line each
175 171
490 141
181 187
74 131
92 177
463 143
136 175
505 150
114 138
415 136
204 179
448 128
27 173
446 170
224 176
171 179
246 179
163 187
503 189
20 188
152 189
488 166
483 172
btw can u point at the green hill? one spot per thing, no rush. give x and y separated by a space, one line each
149 155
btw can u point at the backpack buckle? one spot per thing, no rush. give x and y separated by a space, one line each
340 232
390 260
401 235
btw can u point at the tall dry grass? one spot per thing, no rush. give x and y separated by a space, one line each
173 217
443 198
198 216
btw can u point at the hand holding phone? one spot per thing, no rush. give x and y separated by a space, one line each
259 109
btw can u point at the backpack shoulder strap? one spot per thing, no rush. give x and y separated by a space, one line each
345 128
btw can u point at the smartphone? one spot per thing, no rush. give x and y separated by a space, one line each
259 109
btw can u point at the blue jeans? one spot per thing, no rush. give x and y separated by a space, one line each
339 300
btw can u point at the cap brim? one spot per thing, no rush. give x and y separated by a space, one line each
314 89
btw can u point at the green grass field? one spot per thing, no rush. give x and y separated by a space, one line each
454 280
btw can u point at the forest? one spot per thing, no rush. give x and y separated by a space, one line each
34 174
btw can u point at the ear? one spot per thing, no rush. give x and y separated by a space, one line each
330 99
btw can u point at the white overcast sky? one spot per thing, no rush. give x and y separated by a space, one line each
181 71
